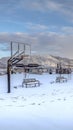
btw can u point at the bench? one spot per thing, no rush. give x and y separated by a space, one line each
61 79
30 82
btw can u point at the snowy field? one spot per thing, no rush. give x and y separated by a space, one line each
48 107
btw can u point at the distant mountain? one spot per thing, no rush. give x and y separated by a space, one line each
45 60
64 61
3 62
49 60
2 65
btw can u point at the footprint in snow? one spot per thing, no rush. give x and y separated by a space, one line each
21 106
54 94
61 92
71 96
43 101
58 90
14 101
52 101
64 99
33 104
39 104
43 94
9 105
24 98
2 99
15 87
14 97
59 99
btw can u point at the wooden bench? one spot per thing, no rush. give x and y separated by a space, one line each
30 82
61 79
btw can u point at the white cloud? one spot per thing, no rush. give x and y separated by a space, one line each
43 43
65 7
67 30
36 26
39 5
13 7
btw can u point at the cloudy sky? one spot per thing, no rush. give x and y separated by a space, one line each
45 24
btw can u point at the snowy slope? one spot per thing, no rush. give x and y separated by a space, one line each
46 60
48 107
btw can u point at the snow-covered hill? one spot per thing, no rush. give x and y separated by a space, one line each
3 62
46 60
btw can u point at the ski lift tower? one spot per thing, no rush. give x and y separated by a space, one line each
18 53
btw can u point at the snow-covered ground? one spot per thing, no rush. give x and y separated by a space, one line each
48 107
